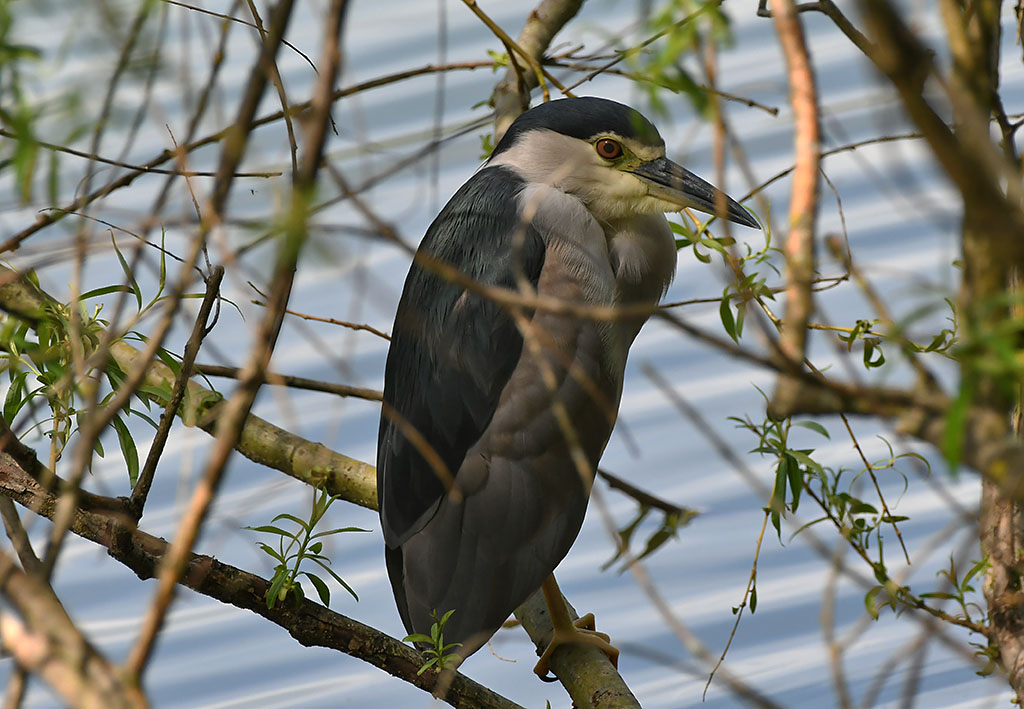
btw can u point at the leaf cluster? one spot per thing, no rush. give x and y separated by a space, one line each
671 523
296 547
436 649
40 357
732 309
682 28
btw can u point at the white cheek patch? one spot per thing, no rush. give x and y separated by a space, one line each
574 167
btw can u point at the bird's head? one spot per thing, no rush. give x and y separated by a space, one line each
610 157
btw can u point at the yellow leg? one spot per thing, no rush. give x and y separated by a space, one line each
569 632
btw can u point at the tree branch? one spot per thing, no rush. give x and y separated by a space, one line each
310 623
803 209
50 644
587 674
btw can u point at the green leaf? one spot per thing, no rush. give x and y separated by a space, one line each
338 531
14 400
128 273
172 362
873 356
105 290
725 314
795 478
975 570
276 586
267 549
871 601
684 231
321 588
625 537
337 578
802 457
128 449
416 638
753 598
778 500
813 426
143 416
656 540
858 507
269 529
292 518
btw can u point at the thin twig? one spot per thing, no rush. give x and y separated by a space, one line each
751 586
642 496
511 96
874 480
199 331
119 163
214 370
512 46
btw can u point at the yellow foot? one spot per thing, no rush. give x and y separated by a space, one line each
581 632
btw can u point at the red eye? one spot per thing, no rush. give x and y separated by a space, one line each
608 149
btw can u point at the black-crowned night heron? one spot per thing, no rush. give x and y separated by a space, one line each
494 419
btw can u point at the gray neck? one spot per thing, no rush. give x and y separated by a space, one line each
643 256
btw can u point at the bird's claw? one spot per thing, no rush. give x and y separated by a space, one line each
582 632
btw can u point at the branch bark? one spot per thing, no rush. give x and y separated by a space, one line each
803 209
591 679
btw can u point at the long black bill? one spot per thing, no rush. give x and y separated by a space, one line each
674 183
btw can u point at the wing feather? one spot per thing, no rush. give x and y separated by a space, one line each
452 351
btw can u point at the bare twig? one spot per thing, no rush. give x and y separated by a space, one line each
829 8
643 497
512 47
199 331
118 163
213 370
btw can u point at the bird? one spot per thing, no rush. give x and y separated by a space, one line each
496 410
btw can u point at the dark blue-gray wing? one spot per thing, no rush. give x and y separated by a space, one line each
452 351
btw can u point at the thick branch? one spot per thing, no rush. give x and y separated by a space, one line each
975 166
594 683
310 624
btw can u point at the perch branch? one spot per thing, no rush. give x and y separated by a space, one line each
310 623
